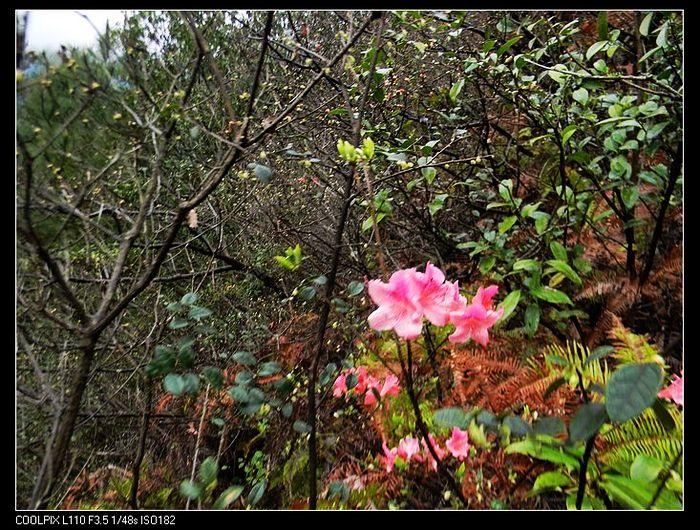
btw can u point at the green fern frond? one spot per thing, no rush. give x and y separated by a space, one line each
632 348
576 354
642 435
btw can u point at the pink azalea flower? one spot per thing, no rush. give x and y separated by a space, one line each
361 374
458 443
474 321
484 297
339 387
390 387
370 397
371 384
389 457
409 449
674 391
398 304
437 297
428 455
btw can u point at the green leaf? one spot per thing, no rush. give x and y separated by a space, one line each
630 196
582 265
587 504
580 95
287 410
542 451
550 295
598 353
477 436
508 45
228 496
517 426
565 269
189 299
174 384
530 210
532 319
452 417
507 223
645 468
251 408
185 343
603 25
456 89
549 425
567 132
488 419
208 470
656 129
256 396
185 358
505 190
556 73
256 492
541 223
190 489
595 48
191 382
509 304
243 378
644 26
437 203
486 264
636 494
239 393
631 389
558 251
301 426
526 264
355 288
244 357
550 480
662 37
307 293
214 376
179 323
351 381
175 307
262 173
327 374
198 313
587 420
368 223
270 368
284 262
429 173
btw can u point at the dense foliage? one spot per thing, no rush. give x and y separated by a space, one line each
353 260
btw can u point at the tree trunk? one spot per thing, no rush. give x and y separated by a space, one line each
55 455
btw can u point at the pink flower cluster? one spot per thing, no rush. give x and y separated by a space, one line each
411 295
674 391
410 449
367 384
